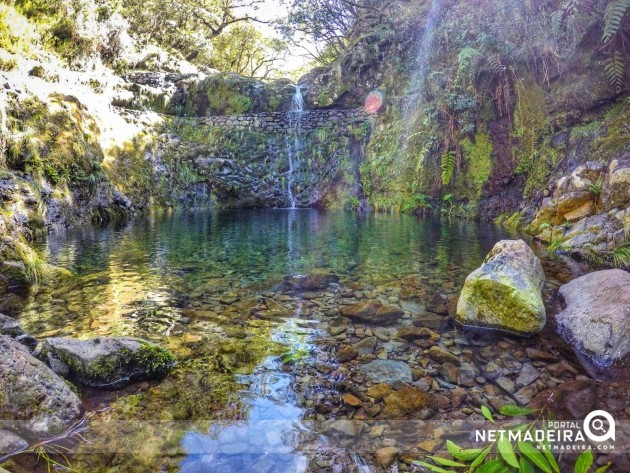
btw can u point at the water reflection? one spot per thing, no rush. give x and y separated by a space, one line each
189 280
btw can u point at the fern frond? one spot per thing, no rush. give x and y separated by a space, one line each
615 69
613 16
448 167
468 61
558 17
495 63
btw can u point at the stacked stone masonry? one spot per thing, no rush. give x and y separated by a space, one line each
278 122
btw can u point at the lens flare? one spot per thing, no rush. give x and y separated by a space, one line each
374 101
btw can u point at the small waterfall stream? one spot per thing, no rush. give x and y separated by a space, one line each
293 141
420 69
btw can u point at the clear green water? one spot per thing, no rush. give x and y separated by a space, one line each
230 403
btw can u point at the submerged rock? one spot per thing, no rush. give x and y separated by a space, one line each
505 292
387 371
315 280
40 403
11 327
595 321
372 312
108 363
410 401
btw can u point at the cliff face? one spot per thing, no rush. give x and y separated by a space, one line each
485 101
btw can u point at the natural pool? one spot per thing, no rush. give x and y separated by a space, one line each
258 383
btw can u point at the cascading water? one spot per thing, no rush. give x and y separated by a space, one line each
421 66
293 140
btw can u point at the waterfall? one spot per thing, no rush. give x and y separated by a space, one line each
420 68
293 140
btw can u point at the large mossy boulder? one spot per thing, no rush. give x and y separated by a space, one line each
595 321
107 363
505 292
34 402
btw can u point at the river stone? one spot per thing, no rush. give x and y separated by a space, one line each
385 456
432 321
527 376
417 333
595 321
505 292
347 353
442 355
315 280
365 346
387 371
9 326
372 312
33 394
412 402
379 391
108 363
347 428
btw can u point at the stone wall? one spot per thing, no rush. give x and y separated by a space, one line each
277 122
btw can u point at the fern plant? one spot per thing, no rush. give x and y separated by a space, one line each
613 17
448 167
615 68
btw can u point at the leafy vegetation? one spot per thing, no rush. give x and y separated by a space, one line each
502 455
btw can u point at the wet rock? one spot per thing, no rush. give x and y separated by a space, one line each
430 446
571 400
438 305
33 394
10 327
562 367
527 375
505 292
351 400
442 355
417 333
387 371
379 391
540 355
448 372
107 362
347 428
384 333
525 395
595 321
347 353
411 402
365 346
507 384
492 371
315 280
432 321
269 309
386 456
372 312
466 376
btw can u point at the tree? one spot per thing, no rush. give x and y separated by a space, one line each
187 26
327 24
244 50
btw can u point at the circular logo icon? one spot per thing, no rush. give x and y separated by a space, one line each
596 429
